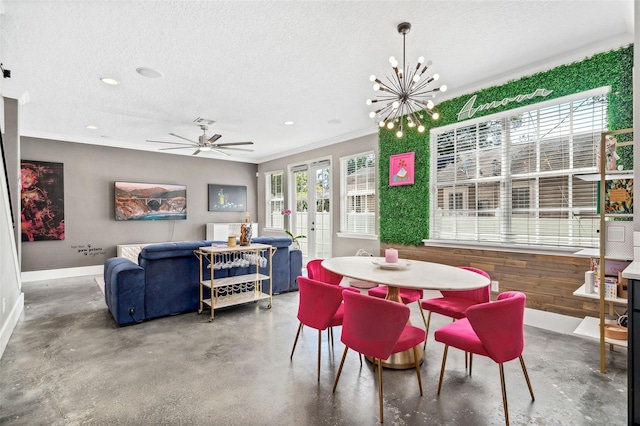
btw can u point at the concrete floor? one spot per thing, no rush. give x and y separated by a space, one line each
67 363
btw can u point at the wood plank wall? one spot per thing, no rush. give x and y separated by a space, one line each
548 280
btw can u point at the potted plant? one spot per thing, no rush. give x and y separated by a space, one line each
294 239
295 244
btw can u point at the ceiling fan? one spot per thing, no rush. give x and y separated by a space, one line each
205 143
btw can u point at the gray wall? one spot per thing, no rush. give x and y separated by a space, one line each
91 232
341 246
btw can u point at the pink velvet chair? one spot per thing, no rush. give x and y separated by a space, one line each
317 272
377 328
494 330
453 304
320 307
408 295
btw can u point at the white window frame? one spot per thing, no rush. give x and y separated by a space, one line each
505 209
346 194
271 201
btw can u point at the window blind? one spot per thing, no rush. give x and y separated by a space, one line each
514 178
358 193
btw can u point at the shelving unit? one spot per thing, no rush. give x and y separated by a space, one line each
237 289
590 326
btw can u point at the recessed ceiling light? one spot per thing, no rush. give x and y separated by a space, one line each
91 127
288 123
109 80
148 72
335 121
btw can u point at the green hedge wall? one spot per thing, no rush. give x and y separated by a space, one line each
404 210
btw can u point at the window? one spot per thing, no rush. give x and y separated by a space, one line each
514 178
358 193
275 200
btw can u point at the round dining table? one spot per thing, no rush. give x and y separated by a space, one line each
412 274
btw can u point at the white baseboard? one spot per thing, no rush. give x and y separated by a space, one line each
551 321
52 274
10 324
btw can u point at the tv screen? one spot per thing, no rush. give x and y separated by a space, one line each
227 198
150 201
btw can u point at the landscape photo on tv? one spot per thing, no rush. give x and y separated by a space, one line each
227 198
150 201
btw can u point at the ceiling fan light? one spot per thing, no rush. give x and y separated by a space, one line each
205 148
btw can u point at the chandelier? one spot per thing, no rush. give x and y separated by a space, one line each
406 93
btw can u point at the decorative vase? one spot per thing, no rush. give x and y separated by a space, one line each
295 245
245 232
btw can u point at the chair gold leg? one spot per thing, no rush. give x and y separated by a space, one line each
526 376
415 357
444 361
424 320
504 395
319 351
380 389
426 331
344 356
295 342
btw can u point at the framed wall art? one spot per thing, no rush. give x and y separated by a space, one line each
42 200
227 198
401 169
150 201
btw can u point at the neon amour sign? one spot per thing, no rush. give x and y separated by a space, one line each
469 111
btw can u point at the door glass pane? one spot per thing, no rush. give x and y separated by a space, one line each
300 210
323 213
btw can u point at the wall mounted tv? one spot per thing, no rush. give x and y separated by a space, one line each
150 201
227 198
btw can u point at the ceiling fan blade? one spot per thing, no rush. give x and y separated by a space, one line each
172 143
181 137
233 143
214 138
177 147
196 152
232 149
176 144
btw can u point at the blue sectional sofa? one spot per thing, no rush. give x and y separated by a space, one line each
166 281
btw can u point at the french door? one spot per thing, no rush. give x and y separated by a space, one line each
312 208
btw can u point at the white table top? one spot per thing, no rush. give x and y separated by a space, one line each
632 271
422 275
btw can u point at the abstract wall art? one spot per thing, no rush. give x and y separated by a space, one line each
42 200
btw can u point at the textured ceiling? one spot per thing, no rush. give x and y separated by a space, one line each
250 66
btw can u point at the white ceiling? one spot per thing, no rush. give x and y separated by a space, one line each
251 65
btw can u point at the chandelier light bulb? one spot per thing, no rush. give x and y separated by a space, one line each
372 77
412 124
421 59
399 133
381 124
395 104
443 88
369 102
390 125
429 63
372 114
376 87
430 104
416 78
392 59
436 77
435 116
421 128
